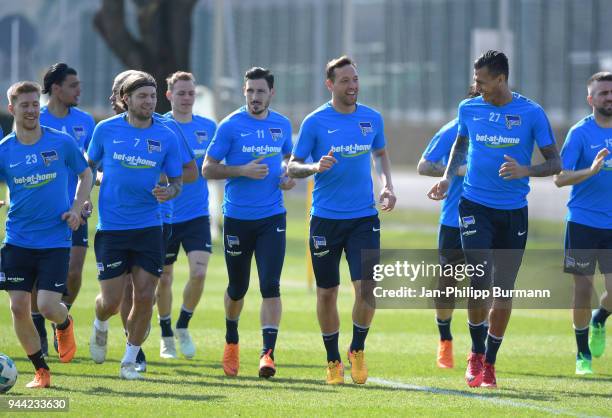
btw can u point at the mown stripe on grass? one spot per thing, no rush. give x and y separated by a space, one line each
505 402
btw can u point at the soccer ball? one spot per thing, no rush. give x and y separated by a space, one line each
8 373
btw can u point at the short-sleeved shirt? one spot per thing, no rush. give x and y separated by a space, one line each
495 131
37 176
590 201
133 159
193 200
438 151
240 139
346 190
187 155
78 124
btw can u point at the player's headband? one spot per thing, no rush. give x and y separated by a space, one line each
135 86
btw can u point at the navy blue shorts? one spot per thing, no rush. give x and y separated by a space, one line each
23 268
585 246
267 239
118 251
449 245
193 234
167 230
329 237
80 237
483 230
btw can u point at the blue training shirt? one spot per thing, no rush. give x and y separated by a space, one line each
590 201
511 129
78 124
438 151
133 159
193 200
186 154
346 190
240 139
37 176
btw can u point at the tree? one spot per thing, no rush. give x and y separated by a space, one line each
165 37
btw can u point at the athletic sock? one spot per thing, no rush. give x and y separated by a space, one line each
64 324
102 325
38 360
131 351
600 316
493 344
184 317
444 328
359 336
269 334
231 331
331 346
140 357
478 332
582 342
39 323
165 323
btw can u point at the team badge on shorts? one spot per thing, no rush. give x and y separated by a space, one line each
319 241
100 267
2 277
468 220
232 240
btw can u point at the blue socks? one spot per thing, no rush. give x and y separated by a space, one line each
184 317
582 342
493 344
359 336
444 328
331 346
231 331
165 324
478 332
269 334
600 316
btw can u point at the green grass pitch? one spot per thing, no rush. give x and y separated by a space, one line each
535 365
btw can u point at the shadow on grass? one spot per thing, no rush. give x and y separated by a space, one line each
314 385
318 385
474 393
217 365
224 382
99 390
569 393
181 363
569 378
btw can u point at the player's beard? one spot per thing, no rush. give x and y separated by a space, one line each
261 107
605 111
349 100
69 101
74 101
144 114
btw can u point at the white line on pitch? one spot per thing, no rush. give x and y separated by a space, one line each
429 389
